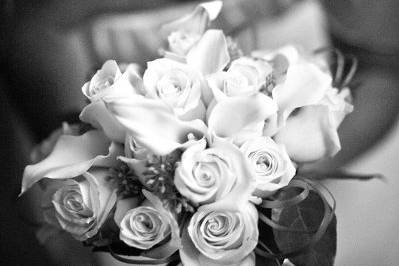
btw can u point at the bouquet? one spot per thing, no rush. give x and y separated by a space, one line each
195 161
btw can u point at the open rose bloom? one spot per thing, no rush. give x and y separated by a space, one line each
176 162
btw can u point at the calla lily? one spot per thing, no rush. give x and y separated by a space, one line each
305 84
185 32
311 134
109 82
72 156
210 54
240 118
97 115
43 149
154 124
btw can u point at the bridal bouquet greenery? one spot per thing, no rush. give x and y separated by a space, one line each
195 161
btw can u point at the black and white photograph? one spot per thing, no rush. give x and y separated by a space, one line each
199 133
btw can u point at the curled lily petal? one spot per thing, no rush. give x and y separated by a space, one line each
154 125
138 165
72 156
184 33
197 21
310 135
210 54
305 84
99 117
233 115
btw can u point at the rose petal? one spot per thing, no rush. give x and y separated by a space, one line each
191 256
245 183
231 256
122 206
269 181
125 85
154 125
186 103
210 54
109 69
236 200
72 156
174 243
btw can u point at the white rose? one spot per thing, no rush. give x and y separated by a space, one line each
221 236
80 206
225 232
109 82
245 76
273 168
205 175
176 84
143 227
148 225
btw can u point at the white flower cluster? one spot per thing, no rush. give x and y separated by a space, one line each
241 127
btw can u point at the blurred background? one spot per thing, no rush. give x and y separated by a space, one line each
49 48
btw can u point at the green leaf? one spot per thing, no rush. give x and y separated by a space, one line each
306 215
